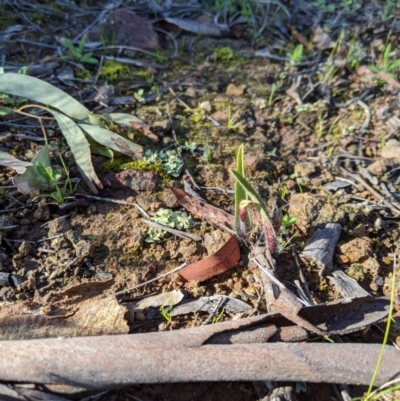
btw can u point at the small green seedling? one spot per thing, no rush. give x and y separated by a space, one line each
246 196
138 95
207 155
166 314
76 53
233 123
296 55
385 63
52 177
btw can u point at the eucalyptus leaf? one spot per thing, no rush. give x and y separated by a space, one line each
80 148
42 92
113 140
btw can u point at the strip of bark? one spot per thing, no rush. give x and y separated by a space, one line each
115 361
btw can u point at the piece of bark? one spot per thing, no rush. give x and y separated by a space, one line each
346 285
289 306
321 247
92 317
271 289
5 279
115 361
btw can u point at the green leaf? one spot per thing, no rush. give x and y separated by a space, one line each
113 140
80 148
102 151
31 179
42 92
240 193
45 172
122 118
5 110
394 65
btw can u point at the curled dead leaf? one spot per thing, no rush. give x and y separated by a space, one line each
222 260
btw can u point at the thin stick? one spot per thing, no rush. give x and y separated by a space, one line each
377 195
152 280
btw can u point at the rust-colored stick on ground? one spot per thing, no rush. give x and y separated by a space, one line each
123 360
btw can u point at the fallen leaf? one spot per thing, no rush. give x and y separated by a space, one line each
203 210
222 260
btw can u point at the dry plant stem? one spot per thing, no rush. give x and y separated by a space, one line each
178 149
177 269
377 195
113 361
271 289
303 280
119 202
364 127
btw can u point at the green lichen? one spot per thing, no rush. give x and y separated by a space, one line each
112 70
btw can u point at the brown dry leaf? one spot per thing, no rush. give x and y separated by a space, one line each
321 40
145 129
222 260
203 210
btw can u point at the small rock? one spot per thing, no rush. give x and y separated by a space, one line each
215 240
138 181
24 248
58 226
304 169
355 250
43 211
124 28
84 248
391 150
233 90
378 168
313 213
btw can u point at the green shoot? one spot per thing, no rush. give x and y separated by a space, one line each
269 231
387 331
217 319
385 64
240 195
76 53
232 123
166 314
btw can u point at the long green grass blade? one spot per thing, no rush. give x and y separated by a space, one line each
42 92
80 148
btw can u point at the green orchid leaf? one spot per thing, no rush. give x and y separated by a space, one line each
80 148
40 91
113 140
